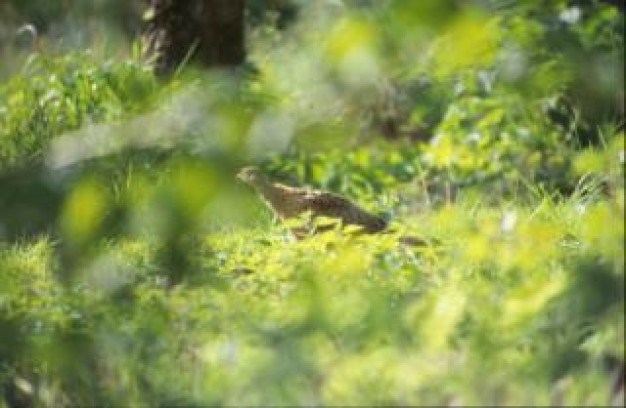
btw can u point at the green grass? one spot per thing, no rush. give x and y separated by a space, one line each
493 316
514 298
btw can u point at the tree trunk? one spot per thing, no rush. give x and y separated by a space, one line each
207 32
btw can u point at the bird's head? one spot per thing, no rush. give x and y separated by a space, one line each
251 175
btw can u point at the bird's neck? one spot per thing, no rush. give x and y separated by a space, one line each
270 191
263 187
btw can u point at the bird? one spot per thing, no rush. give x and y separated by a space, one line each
289 202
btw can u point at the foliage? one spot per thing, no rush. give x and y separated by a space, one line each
136 272
52 96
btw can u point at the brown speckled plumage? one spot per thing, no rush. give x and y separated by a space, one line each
291 202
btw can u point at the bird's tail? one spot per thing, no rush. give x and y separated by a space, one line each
410 240
414 241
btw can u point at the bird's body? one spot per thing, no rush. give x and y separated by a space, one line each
291 202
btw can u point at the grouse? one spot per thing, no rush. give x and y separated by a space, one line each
291 202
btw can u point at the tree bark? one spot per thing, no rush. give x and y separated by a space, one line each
209 33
